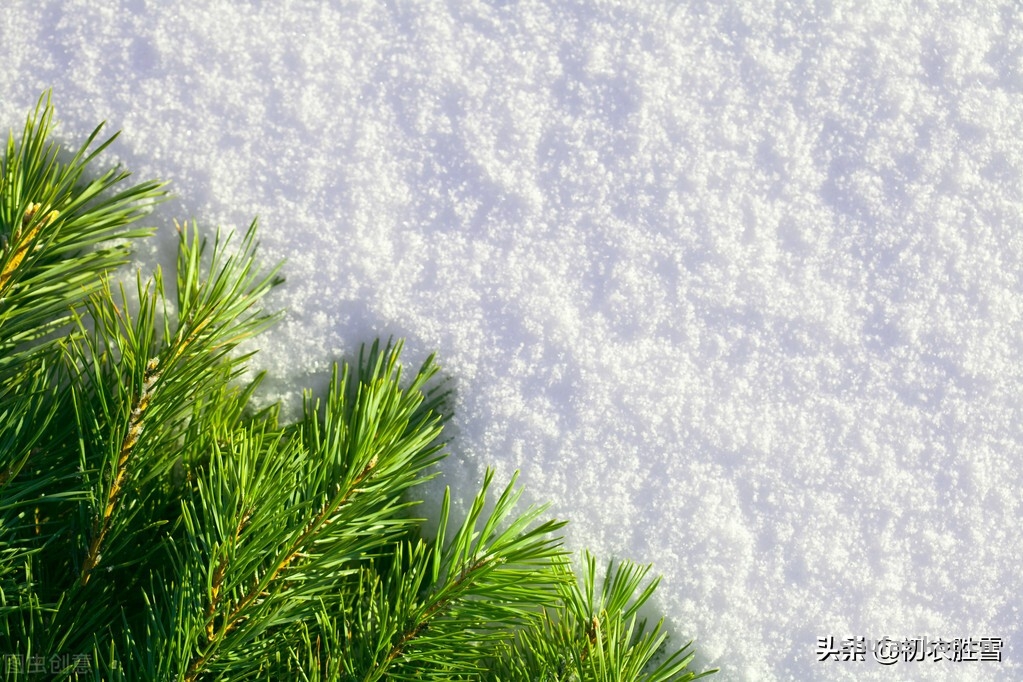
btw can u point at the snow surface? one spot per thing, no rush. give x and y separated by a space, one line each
736 285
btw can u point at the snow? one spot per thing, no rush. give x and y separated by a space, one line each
735 285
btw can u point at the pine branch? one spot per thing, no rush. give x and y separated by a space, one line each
441 610
56 232
597 635
134 389
52 218
351 463
150 517
135 423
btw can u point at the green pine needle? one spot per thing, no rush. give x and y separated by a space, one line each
154 525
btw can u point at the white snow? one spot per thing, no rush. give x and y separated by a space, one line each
736 285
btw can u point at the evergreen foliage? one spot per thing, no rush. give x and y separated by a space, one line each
154 526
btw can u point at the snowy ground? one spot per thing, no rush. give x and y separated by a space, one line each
736 285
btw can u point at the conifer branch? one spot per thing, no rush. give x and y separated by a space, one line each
218 576
56 228
257 551
262 585
436 608
135 425
24 240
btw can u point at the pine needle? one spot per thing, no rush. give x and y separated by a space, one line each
155 526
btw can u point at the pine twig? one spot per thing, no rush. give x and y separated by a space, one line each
24 238
237 614
135 425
